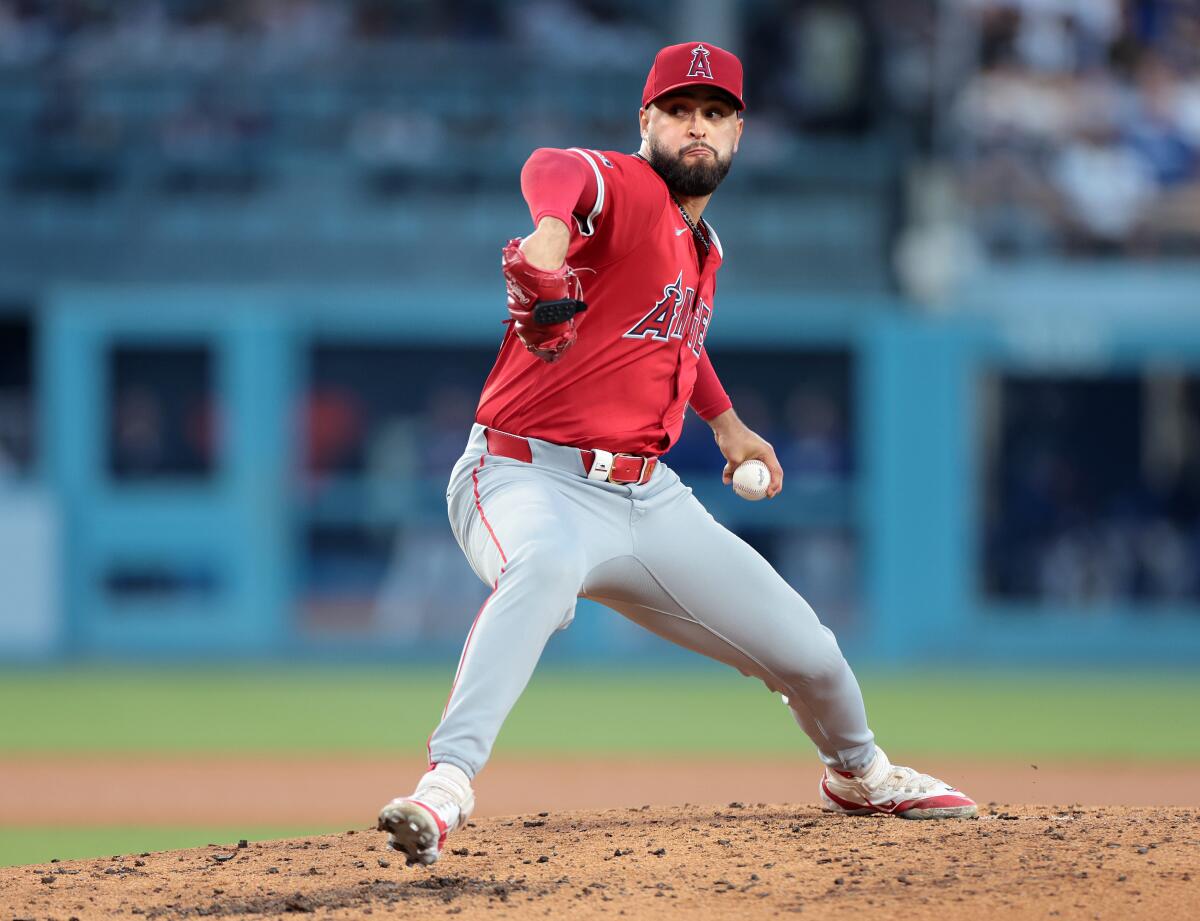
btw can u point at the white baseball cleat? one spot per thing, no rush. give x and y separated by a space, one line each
893 790
417 825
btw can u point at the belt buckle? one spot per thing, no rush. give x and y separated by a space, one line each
604 467
641 473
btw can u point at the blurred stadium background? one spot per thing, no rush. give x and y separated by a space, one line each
249 291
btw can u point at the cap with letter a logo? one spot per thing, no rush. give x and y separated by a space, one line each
694 64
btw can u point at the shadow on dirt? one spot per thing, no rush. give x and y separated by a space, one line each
376 893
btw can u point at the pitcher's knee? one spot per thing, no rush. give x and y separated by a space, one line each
817 661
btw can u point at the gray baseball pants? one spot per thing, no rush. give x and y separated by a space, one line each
543 535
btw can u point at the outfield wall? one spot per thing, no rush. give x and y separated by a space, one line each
258 471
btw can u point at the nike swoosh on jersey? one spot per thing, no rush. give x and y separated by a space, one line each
681 230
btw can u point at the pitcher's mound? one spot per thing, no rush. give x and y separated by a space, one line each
735 861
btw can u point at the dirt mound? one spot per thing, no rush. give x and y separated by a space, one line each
743 861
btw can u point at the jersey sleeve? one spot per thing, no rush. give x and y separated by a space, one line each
709 398
611 201
565 184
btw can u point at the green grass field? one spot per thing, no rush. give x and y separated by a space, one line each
362 710
374 710
20 845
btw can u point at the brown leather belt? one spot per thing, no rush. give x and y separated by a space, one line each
623 469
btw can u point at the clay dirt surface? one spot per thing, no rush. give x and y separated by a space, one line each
342 792
732 861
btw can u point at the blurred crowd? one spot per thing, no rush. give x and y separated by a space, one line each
96 38
1076 128
218 96
1094 492
1081 126
163 414
221 97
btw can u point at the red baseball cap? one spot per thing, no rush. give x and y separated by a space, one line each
693 64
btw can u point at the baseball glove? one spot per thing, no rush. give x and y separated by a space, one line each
542 305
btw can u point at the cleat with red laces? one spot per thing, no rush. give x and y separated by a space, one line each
417 825
889 789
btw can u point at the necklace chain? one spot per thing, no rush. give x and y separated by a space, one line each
696 231
700 235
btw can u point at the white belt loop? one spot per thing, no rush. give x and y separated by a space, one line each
601 465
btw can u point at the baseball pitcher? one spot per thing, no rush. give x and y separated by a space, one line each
562 492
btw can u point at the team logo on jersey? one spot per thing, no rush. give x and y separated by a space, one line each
700 66
676 315
663 317
698 327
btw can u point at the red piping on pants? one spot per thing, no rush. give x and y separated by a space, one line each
478 614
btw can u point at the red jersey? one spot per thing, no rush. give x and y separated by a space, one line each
625 383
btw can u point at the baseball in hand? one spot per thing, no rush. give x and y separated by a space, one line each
751 479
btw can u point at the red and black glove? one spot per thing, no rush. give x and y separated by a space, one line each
542 304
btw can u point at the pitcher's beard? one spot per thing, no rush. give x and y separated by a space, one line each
690 179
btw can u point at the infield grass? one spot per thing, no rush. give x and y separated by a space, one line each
364 710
